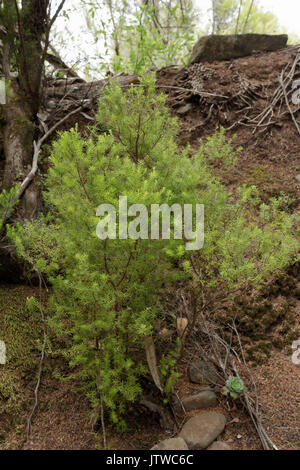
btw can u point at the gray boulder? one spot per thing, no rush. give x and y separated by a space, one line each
215 47
219 445
205 399
202 372
177 443
201 430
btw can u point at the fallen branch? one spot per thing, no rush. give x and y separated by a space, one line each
36 390
287 103
37 149
253 410
61 66
228 367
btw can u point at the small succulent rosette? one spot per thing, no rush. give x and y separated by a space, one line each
234 387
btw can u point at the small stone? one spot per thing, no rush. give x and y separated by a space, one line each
298 178
202 372
51 104
203 429
204 399
219 445
176 443
184 109
239 436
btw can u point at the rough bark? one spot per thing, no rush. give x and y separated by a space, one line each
24 28
17 138
24 37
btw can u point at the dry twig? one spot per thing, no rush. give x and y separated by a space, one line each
221 348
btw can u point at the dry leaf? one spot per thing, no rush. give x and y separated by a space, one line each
152 363
182 324
234 420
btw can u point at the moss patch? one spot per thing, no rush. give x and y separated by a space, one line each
266 319
21 331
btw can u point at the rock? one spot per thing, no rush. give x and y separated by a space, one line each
176 443
298 178
202 372
211 48
184 109
219 445
204 399
201 430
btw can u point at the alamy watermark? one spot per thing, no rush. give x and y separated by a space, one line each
162 220
2 353
296 93
2 91
296 353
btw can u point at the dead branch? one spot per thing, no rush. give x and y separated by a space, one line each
37 149
36 390
61 66
287 102
253 410
228 366
152 362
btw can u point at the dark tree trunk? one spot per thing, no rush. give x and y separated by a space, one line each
26 27
24 35
17 138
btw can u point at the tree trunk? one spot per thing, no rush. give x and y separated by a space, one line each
24 38
22 45
216 19
17 137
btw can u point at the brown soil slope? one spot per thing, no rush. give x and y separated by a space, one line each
244 96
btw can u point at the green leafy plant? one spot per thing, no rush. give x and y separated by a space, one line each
234 387
139 35
8 200
219 148
168 368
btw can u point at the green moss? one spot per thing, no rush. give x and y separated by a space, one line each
268 321
21 331
261 176
11 395
270 185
